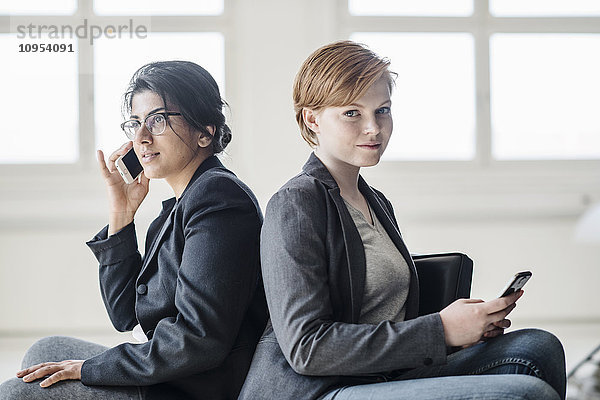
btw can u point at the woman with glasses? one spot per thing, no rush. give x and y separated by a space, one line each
195 299
341 286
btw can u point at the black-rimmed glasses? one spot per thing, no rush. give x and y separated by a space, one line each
156 123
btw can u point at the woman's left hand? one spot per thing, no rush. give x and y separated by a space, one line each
58 371
496 328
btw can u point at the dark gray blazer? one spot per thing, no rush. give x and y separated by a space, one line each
313 265
197 293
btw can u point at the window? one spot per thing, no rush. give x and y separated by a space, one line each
488 81
60 113
544 8
158 7
39 7
409 7
40 124
556 114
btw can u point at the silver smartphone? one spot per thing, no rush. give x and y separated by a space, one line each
129 166
516 283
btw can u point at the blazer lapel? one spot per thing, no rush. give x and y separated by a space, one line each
210 162
355 254
151 252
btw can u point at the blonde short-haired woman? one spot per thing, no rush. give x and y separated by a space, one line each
341 286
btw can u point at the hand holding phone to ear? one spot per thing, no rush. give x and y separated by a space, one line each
124 199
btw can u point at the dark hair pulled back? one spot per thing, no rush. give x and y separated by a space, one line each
190 88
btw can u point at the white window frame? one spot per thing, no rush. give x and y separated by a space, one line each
528 184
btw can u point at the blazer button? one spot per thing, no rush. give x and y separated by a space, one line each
427 361
142 289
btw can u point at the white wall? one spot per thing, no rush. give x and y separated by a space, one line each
504 221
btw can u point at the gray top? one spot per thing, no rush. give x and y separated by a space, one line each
387 276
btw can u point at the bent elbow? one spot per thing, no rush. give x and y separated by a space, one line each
303 363
307 368
300 367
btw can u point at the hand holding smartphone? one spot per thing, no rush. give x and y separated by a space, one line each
516 283
129 166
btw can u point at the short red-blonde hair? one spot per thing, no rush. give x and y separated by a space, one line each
336 75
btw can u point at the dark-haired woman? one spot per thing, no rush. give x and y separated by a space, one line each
195 298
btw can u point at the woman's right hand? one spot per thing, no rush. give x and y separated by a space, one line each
468 321
124 199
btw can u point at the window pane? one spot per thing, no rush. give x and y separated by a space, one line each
115 61
411 7
41 7
544 8
40 103
433 104
158 7
544 96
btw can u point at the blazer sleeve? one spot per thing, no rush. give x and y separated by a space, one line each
388 205
215 283
295 264
120 264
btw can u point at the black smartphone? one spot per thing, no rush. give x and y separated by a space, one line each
129 166
516 283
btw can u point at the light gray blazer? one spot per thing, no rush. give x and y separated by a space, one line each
313 266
